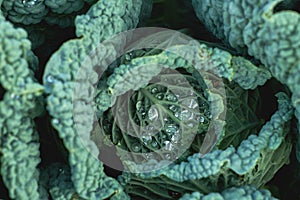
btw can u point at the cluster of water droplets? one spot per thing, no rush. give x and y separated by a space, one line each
158 134
129 56
146 138
136 147
31 3
170 132
14 96
166 118
141 110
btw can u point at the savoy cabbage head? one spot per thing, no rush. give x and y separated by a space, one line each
98 102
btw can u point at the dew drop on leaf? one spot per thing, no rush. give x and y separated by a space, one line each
138 106
14 96
128 57
201 119
55 121
61 171
154 144
177 115
168 156
163 136
154 90
208 114
176 137
31 3
171 129
153 113
191 103
149 156
50 79
173 108
171 97
168 146
146 139
159 96
186 115
136 147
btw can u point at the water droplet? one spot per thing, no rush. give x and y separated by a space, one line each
171 97
14 96
176 137
146 139
203 105
127 57
149 156
208 114
186 115
61 171
139 105
50 79
159 96
153 113
55 121
178 115
173 108
168 145
201 119
190 103
31 3
168 156
154 90
171 129
136 147
154 144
